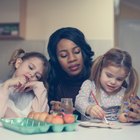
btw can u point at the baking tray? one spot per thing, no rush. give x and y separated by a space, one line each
31 126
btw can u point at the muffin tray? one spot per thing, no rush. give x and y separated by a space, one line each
31 126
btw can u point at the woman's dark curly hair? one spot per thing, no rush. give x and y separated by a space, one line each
78 38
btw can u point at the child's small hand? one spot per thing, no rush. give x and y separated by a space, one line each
97 112
17 82
33 85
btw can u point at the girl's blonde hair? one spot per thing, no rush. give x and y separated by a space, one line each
117 58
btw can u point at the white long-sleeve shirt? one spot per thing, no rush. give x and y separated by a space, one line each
110 103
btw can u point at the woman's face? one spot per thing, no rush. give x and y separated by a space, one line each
112 78
70 57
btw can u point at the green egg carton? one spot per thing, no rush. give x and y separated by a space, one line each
31 126
63 127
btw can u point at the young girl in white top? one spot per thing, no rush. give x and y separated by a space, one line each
112 82
25 90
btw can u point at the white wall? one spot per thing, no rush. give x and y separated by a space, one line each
94 17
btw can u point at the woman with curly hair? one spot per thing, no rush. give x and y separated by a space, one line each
70 60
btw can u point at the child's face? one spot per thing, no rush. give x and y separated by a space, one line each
111 78
31 68
70 57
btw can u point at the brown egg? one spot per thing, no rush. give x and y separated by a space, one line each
36 115
49 118
43 116
69 118
57 120
30 115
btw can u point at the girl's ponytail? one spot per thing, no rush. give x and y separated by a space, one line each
132 85
16 54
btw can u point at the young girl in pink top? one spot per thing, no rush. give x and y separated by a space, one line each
24 91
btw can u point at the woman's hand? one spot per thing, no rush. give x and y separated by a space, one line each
55 106
134 113
96 111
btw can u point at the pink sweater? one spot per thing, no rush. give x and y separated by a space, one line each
8 109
